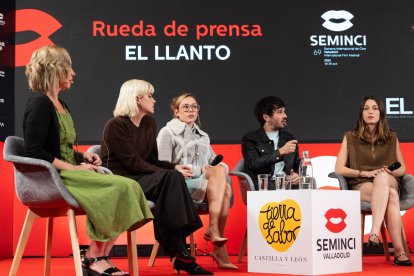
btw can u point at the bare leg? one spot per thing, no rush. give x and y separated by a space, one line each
216 187
377 193
97 249
393 219
220 253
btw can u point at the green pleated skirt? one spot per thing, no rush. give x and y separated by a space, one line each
112 203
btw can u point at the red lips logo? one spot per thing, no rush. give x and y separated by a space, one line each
335 214
37 21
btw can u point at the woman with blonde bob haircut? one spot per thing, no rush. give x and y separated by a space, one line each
130 91
113 204
129 148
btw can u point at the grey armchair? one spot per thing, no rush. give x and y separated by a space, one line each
39 187
245 184
202 209
406 202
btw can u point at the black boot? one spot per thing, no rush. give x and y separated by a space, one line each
178 249
191 268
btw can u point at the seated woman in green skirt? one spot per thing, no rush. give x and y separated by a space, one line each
113 204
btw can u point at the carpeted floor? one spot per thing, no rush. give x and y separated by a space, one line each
372 266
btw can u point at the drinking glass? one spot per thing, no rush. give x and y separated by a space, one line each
280 181
288 182
263 181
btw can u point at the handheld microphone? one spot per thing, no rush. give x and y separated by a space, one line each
394 166
216 160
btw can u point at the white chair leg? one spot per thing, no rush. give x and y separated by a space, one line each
21 245
75 242
132 252
154 253
48 245
243 247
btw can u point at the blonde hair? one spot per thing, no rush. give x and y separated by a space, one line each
126 104
47 67
176 101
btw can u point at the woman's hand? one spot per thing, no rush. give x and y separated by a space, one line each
371 174
85 167
186 170
92 158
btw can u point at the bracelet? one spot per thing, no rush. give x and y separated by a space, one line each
359 173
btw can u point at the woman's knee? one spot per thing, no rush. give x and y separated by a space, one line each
384 179
218 171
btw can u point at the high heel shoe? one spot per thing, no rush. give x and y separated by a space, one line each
191 268
372 243
86 263
181 255
222 265
402 263
217 241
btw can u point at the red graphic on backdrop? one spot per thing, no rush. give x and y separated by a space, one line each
39 22
335 214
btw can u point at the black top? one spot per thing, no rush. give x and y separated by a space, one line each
41 128
260 155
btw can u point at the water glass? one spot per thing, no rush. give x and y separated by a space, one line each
280 181
288 182
263 181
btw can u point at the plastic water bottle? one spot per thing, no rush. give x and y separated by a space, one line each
305 172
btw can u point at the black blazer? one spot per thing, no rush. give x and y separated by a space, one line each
41 128
260 155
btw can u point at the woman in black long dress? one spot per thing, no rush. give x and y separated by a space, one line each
129 148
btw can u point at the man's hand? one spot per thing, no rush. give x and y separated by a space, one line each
289 147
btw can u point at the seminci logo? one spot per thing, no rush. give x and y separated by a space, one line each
343 16
335 220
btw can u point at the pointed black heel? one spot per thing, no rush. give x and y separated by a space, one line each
373 244
191 268
402 263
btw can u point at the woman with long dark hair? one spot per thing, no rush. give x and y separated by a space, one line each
365 153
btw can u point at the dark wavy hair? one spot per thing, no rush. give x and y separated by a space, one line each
382 132
267 105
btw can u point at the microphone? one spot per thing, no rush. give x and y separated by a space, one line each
216 160
394 166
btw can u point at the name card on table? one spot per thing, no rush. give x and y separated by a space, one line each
306 232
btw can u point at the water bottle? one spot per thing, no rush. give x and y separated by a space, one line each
305 172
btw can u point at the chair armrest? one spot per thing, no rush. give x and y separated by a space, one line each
407 192
245 177
342 181
38 182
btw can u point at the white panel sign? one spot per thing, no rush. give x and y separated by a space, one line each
305 232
